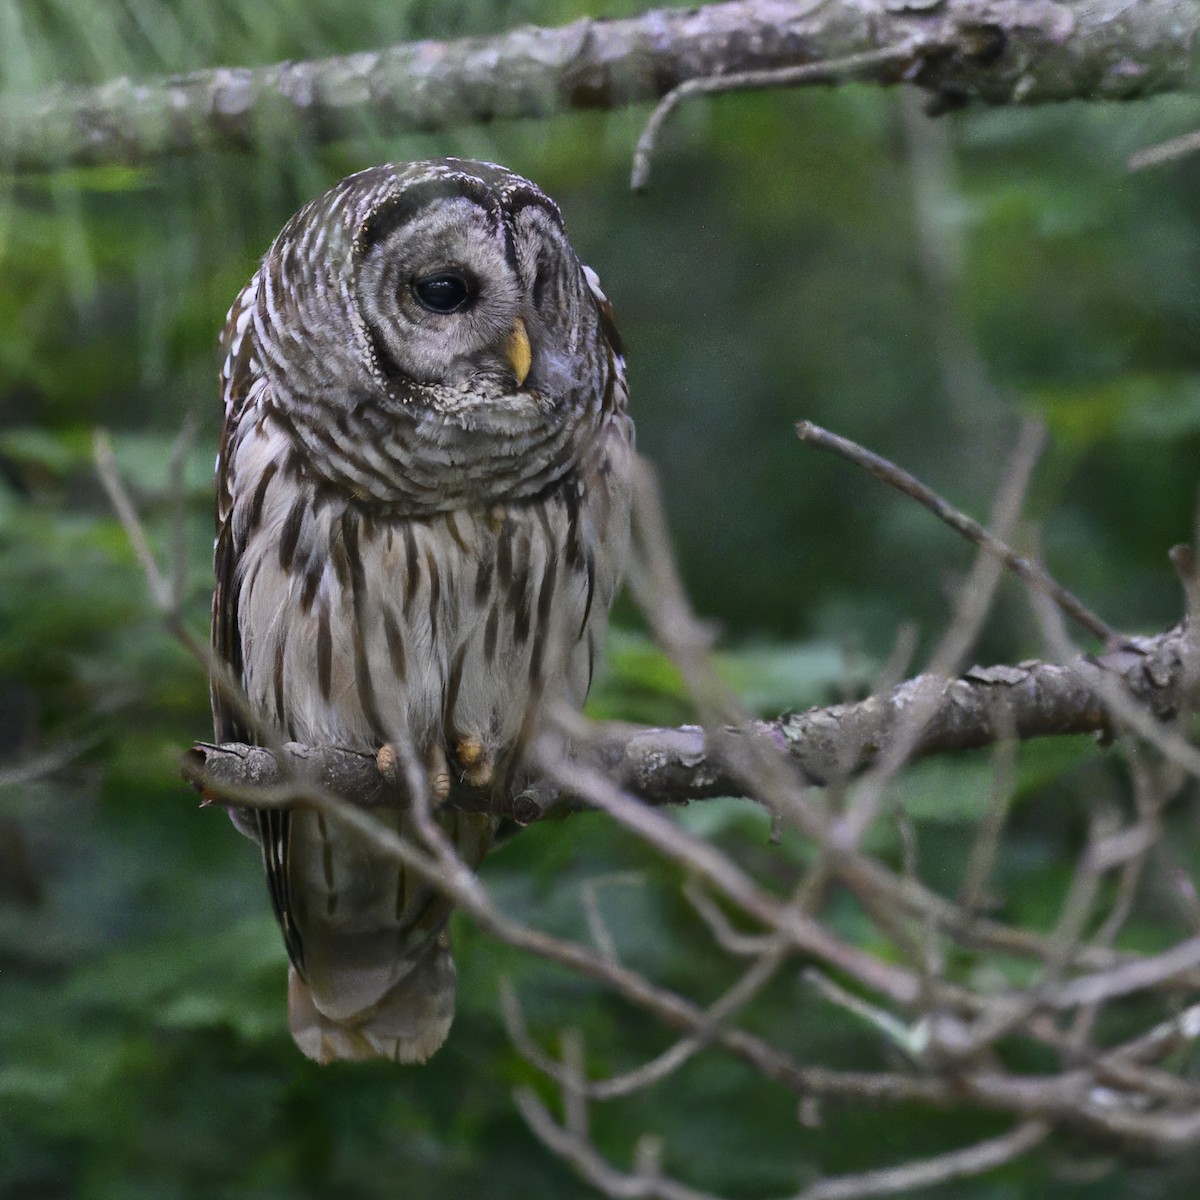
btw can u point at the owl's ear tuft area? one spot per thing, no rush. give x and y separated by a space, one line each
399 208
608 318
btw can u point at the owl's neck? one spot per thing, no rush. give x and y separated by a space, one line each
421 460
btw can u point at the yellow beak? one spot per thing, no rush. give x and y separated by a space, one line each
517 351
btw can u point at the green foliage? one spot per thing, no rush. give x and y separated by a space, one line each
773 273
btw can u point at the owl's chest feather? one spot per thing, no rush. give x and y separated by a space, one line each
358 628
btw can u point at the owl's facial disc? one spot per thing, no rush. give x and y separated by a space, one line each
443 307
452 291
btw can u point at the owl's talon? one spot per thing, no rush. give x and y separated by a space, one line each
477 763
469 751
437 771
387 763
481 776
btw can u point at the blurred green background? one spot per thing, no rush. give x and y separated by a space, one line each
828 254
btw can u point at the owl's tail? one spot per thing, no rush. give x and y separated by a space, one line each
406 1025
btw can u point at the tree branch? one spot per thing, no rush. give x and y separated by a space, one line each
651 1184
997 51
1031 573
674 766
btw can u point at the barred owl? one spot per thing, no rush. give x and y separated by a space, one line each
423 513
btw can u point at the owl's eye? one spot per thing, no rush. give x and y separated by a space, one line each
445 292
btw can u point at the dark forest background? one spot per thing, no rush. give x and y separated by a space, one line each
828 254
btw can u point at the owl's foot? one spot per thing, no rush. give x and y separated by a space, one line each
437 770
387 763
478 764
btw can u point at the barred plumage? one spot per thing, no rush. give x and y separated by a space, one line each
423 513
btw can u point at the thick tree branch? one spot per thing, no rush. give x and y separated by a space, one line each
674 766
997 51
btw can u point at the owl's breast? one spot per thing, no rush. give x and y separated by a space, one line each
358 627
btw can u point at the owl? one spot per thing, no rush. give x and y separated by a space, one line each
423 510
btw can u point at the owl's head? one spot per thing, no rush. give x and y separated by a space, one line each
454 279
460 276
433 318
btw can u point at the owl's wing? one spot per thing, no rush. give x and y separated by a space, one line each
239 373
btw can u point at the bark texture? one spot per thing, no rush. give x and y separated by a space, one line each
675 766
996 51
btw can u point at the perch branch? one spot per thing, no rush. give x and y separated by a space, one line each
997 51
674 766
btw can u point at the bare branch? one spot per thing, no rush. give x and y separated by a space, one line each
974 599
997 51
46 763
957 1164
889 1181
802 931
754 81
1165 152
675 766
1030 572
1129 977
588 1161
166 600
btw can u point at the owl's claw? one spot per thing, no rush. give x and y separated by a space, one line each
478 764
387 762
437 771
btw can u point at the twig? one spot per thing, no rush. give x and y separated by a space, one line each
588 1161
574 1083
1137 976
753 81
161 591
986 844
724 934
1151 794
890 1026
589 895
662 1065
973 601
1164 152
48 762
167 590
957 1164
1034 574
175 476
804 933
